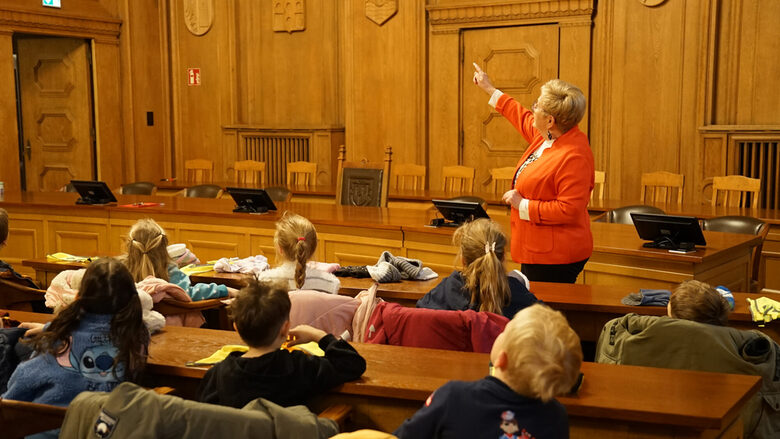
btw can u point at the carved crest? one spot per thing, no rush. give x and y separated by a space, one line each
360 192
379 11
198 15
289 15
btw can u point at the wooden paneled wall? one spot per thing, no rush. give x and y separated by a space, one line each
660 80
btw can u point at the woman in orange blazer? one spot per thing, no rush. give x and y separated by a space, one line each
551 187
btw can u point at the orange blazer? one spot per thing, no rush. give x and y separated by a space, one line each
557 187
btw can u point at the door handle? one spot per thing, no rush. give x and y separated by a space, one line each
28 150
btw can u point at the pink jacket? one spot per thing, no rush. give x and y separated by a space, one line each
468 331
330 312
159 289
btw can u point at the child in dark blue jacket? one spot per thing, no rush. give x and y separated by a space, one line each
537 357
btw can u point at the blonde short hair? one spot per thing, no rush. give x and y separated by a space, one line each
699 302
147 251
543 352
563 101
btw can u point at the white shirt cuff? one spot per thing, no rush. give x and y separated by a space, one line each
522 209
494 98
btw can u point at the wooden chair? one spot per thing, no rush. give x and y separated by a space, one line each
599 181
249 172
661 186
363 183
749 226
18 297
202 191
20 418
502 179
138 188
458 178
199 171
734 190
301 174
408 176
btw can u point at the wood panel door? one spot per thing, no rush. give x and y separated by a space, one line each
56 94
519 60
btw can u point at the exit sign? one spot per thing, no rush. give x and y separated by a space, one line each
52 3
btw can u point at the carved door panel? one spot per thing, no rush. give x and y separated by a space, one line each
56 94
519 60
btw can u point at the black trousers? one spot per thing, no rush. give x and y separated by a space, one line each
560 273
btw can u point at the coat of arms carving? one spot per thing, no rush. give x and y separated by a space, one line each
379 11
289 15
198 15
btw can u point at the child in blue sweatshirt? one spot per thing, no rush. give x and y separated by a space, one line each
93 344
537 357
147 254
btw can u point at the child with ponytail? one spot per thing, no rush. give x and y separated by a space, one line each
147 254
93 344
483 285
296 242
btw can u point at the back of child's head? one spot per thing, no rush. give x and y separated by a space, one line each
147 250
259 311
698 301
481 243
3 225
543 352
106 288
296 240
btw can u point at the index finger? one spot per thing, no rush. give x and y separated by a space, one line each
476 67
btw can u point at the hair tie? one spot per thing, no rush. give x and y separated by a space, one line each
490 247
301 238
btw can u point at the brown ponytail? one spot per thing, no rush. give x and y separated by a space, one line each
481 244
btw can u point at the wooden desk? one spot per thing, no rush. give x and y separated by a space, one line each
49 222
614 401
588 307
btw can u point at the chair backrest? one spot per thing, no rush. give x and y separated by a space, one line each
599 181
199 170
732 190
279 193
16 296
661 187
746 225
138 188
458 178
301 174
501 179
249 172
408 176
622 215
20 418
203 191
363 183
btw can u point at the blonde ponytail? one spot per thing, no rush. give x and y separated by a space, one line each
481 244
296 240
147 251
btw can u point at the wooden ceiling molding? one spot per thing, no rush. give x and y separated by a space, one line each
99 24
507 12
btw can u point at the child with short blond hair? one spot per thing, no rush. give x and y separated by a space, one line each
536 358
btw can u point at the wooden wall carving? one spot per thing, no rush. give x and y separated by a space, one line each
289 16
198 15
379 11
457 13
